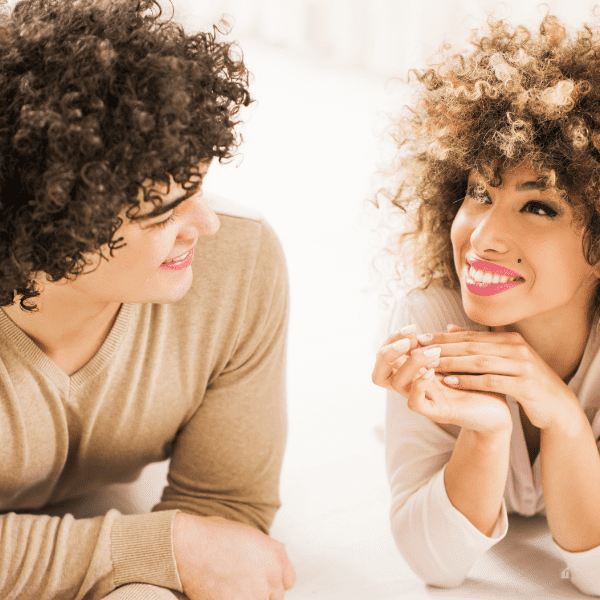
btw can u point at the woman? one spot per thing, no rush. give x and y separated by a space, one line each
497 351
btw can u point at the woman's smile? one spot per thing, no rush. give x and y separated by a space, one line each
484 278
517 253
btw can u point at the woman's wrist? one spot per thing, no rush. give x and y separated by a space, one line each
492 438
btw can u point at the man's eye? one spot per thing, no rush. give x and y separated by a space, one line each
163 223
539 208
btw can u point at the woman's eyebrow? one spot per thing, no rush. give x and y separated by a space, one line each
528 186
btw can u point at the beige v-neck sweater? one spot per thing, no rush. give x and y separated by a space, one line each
200 381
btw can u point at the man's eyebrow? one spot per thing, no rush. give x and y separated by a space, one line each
163 208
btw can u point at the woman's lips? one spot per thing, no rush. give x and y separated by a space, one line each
181 263
487 287
484 265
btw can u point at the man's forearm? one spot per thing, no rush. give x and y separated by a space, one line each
571 478
475 476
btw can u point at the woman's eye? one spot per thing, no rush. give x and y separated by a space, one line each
478 194
539 208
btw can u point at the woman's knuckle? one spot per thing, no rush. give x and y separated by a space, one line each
515 337
491 381
482 362
471 348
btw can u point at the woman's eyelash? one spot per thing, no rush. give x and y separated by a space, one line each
535 206
478 194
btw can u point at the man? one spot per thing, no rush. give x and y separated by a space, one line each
139 320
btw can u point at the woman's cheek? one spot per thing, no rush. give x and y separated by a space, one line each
457 236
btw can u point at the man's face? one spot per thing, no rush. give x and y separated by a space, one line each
155 264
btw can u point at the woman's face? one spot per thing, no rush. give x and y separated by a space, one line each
138 272
517 254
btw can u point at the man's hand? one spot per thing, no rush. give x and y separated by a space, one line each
219 559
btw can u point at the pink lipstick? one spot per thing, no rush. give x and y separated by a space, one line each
484 265
181 263
484 278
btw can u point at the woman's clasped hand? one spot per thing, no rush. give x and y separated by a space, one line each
463 377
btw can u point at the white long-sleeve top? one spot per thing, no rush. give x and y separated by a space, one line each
438 542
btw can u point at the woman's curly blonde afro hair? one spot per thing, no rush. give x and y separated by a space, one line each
515 97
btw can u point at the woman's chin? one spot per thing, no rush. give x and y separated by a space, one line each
486 318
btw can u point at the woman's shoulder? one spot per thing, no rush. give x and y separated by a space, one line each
431 309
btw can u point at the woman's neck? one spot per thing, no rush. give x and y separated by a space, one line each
559 342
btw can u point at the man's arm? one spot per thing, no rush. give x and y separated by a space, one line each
226 460
53 558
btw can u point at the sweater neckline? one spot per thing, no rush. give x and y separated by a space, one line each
31 351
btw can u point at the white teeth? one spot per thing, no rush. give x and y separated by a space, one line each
487 277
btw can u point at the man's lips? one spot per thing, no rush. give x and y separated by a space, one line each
182 262
484 265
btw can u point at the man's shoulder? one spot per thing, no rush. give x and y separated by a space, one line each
226 207
244 249
243 230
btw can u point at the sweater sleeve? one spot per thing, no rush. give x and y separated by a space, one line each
437 541
582 567
60 558
226 460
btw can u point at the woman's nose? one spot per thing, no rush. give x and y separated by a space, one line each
492 233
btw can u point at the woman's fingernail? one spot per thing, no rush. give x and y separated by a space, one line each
429 374
432 352
451 380
425 337
435 363
401 345
408 329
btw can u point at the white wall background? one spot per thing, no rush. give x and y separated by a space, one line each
323 74
383 36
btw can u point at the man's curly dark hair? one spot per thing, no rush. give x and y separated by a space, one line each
515 97
97 97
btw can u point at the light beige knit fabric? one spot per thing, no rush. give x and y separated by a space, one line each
201 380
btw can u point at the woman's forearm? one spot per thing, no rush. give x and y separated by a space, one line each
475 476
571 478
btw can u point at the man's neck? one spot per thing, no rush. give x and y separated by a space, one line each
66 326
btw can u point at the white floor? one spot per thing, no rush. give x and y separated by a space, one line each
309 155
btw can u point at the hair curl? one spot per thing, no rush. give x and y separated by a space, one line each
515 97
97 97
